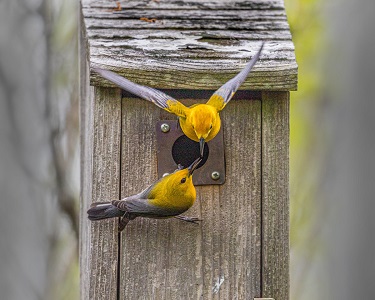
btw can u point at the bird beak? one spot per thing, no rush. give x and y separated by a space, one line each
201 146
194 165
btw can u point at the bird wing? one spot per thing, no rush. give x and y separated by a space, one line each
223 95
142 207
157 97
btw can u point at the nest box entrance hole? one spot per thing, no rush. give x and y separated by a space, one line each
174 148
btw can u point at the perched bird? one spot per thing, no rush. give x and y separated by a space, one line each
170 196
199 122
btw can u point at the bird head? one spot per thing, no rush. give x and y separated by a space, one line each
181 181
193 166
202 119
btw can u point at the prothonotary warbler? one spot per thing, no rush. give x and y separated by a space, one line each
169 197
199 122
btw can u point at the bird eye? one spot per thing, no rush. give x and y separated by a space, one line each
183 180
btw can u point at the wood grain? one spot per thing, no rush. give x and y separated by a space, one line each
143 242
86 143
211 36
241 249
180 14
191 44
169 259
231 213
102 128
160 259
275 195
189 4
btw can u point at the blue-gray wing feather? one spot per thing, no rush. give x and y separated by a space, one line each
229 88
142 207
157 97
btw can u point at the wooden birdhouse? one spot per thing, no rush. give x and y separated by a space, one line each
187 49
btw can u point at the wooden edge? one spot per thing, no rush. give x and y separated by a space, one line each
101 112
275 195
277 80
85 106
106 187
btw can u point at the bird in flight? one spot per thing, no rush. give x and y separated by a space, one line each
168 197
199 122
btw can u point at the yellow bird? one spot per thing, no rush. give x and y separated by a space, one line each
169 197
199 122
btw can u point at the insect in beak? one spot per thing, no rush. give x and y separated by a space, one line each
194 165
201 146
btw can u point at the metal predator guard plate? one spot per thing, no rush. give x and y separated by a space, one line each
174 148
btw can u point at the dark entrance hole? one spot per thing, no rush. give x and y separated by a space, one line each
185 151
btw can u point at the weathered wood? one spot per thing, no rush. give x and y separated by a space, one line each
202 51
241 249
141 259
185 75
182 24
190 4
101 238
212 36
275 195
192 44
170 259
231 212
180 14
158 257
86 142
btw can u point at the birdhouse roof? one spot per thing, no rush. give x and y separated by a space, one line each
190 44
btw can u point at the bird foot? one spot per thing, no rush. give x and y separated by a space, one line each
193 220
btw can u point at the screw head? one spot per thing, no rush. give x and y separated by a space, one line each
215 175
164 127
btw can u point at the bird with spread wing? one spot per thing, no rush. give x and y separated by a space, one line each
168 197
199 122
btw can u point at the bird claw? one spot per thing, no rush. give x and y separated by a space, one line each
193 220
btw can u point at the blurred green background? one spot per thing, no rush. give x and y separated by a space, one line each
307 28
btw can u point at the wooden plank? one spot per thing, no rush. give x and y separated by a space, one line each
180 14
275 195
186 278
168 259
192 44
195 49
189 4
196 64
193 73
185 275
159 257
190 24
283 79
86 142
209 35
192 66
101 238
143 252
239 202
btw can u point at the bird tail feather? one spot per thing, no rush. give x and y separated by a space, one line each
103 210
